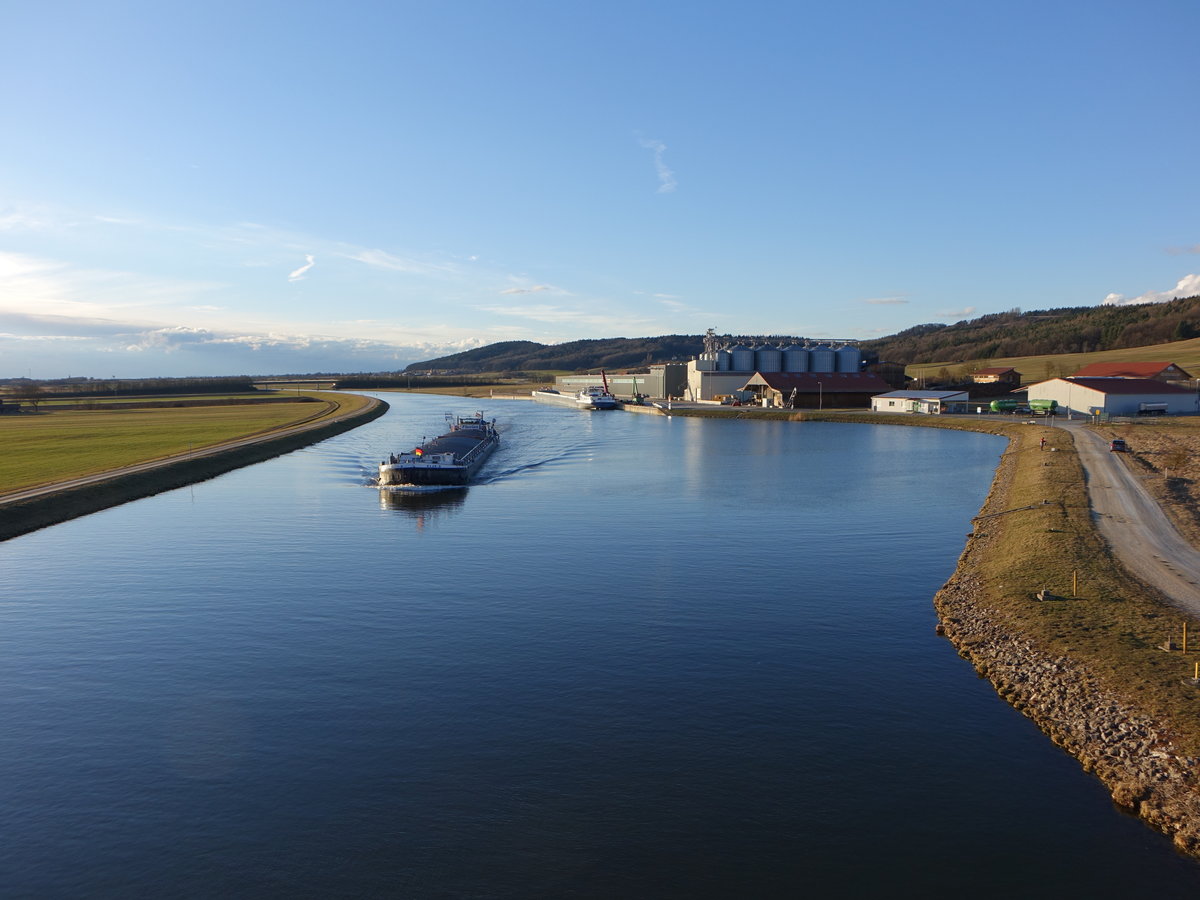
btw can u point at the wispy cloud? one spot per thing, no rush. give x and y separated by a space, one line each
381 259
666 178
956 313
52 287
535 289
298 275
885 301
1180 251
1188 286
558 315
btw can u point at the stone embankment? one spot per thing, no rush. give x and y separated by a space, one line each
1135 757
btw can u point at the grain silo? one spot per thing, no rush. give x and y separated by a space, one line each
795 358
741 359
849 358
768 359
821 358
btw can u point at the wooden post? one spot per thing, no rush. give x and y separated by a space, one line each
1074 582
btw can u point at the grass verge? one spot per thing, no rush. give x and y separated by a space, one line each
20 517
1035 533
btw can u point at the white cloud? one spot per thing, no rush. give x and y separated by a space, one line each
298 275
956 313
1188 286
1180 251
666 178
887 301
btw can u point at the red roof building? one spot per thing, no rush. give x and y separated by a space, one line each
1159 371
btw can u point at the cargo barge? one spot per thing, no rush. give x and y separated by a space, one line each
451 459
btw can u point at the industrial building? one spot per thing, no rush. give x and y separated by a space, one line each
932 403
665 380
725 368
814 390
1117 396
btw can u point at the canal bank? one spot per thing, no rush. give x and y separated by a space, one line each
28 511
1084 663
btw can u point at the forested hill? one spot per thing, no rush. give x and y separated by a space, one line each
1043 332
1000 335
610 353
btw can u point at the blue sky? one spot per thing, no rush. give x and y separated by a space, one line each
271 187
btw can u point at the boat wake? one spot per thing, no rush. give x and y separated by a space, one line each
416 488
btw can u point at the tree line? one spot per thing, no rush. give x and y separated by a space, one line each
1043 332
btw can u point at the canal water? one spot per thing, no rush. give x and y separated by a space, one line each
643 657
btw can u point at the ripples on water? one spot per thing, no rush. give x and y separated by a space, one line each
641 657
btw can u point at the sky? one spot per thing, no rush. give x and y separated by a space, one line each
257 188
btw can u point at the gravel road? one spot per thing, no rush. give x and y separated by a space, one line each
1134 525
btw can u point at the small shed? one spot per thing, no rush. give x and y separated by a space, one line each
932 403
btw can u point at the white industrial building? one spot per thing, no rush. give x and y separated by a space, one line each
928 402
1116 396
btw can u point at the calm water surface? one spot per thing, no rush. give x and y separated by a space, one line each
645 657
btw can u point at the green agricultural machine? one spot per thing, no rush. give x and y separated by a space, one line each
1023 407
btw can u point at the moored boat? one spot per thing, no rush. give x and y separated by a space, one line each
449 459
592 397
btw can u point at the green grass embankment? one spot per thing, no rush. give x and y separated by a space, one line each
1036 532
84 443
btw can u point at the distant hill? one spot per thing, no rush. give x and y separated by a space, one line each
608 353
1043 332
1006 335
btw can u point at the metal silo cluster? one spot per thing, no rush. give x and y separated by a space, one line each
752 356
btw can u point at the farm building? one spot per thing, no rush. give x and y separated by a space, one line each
997 375
1116 396
928 402
1158 371
815 390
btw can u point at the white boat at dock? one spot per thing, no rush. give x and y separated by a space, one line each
592 397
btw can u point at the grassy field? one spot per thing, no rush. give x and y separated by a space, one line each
1039 368
54 446
50 401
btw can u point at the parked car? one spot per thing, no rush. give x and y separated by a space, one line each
1117 446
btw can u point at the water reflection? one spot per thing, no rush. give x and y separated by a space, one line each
423 506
